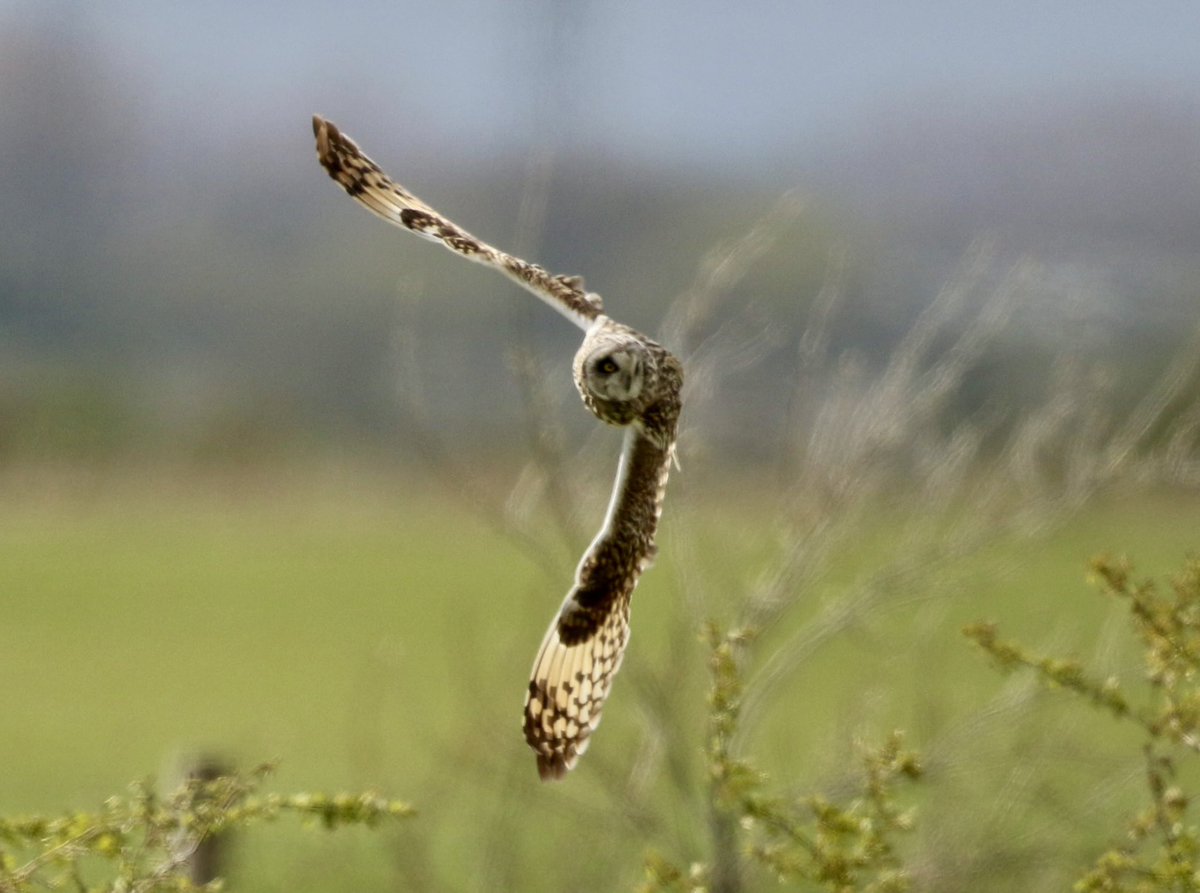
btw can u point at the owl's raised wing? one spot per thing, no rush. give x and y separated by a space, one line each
582 651
366 182
585 644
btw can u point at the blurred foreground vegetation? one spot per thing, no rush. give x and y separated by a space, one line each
368 623
368 633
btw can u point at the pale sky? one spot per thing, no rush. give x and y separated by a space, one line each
704 80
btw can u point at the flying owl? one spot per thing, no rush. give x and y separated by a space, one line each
625 379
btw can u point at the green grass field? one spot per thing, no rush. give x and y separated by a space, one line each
366 633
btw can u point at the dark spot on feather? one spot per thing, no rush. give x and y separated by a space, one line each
414 219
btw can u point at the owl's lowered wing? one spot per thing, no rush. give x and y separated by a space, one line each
585 644
582 651
366 182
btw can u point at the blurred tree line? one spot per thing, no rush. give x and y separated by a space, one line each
168 289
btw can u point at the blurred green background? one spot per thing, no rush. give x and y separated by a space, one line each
277 481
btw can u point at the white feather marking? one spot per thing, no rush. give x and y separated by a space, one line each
610 515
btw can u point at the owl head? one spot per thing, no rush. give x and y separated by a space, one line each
616 374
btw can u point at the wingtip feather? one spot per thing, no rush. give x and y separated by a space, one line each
553 768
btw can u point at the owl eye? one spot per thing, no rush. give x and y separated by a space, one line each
607 366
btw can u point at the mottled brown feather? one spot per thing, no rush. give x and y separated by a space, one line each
366 182
583 649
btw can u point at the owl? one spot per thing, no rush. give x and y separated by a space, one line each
625 379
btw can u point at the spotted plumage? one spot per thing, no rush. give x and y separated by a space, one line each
624 379
383 196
